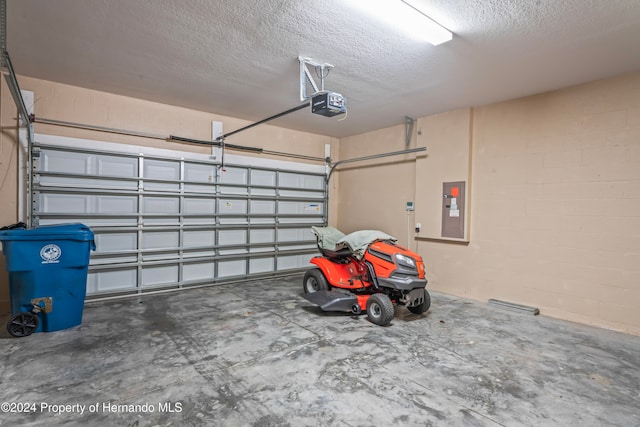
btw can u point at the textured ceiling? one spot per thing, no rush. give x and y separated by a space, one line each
239 57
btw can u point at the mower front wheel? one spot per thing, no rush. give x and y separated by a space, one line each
426 303
314 281
380 309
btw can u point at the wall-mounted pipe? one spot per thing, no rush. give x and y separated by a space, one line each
372 157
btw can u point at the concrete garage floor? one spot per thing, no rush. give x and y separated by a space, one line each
258 354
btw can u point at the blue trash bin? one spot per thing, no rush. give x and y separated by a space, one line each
48 268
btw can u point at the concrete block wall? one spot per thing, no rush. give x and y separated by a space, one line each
556 211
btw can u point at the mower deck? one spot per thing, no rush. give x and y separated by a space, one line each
332 300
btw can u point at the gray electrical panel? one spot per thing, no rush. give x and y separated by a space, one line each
453 209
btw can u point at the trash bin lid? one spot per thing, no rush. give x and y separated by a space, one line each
76 231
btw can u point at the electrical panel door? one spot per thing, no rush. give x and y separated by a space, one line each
453 209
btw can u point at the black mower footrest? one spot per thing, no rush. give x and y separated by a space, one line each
332 300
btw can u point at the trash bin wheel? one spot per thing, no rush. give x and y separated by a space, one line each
23 324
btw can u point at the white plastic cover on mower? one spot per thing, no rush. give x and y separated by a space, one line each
332 239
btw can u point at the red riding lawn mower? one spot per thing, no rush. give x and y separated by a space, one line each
365 271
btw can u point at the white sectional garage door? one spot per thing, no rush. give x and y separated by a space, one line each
167 219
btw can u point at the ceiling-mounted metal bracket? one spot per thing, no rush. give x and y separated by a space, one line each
322 71
409 124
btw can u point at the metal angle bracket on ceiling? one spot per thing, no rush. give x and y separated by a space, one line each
409 123
305 76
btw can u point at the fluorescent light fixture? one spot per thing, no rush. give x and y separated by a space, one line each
406 18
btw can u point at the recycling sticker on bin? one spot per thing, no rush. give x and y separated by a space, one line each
50 254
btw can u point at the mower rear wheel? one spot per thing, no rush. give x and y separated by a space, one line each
380 309
314 281
426 303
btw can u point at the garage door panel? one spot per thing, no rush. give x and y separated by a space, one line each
289 180
111 280
198 238
199 271
296 234
263 207
231 175
87 183
261 265
157 171
300 208
160 275
89 221
117 166
114 204
160 239
161 169
232 268
263 183
290 262
302 194
232 237
237 176
87 204
294 180
161 222
114 242
56 161
195 172
161 205
199 206
64 203
262 236
232 207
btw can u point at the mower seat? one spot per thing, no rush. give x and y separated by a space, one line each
340 253
327 238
